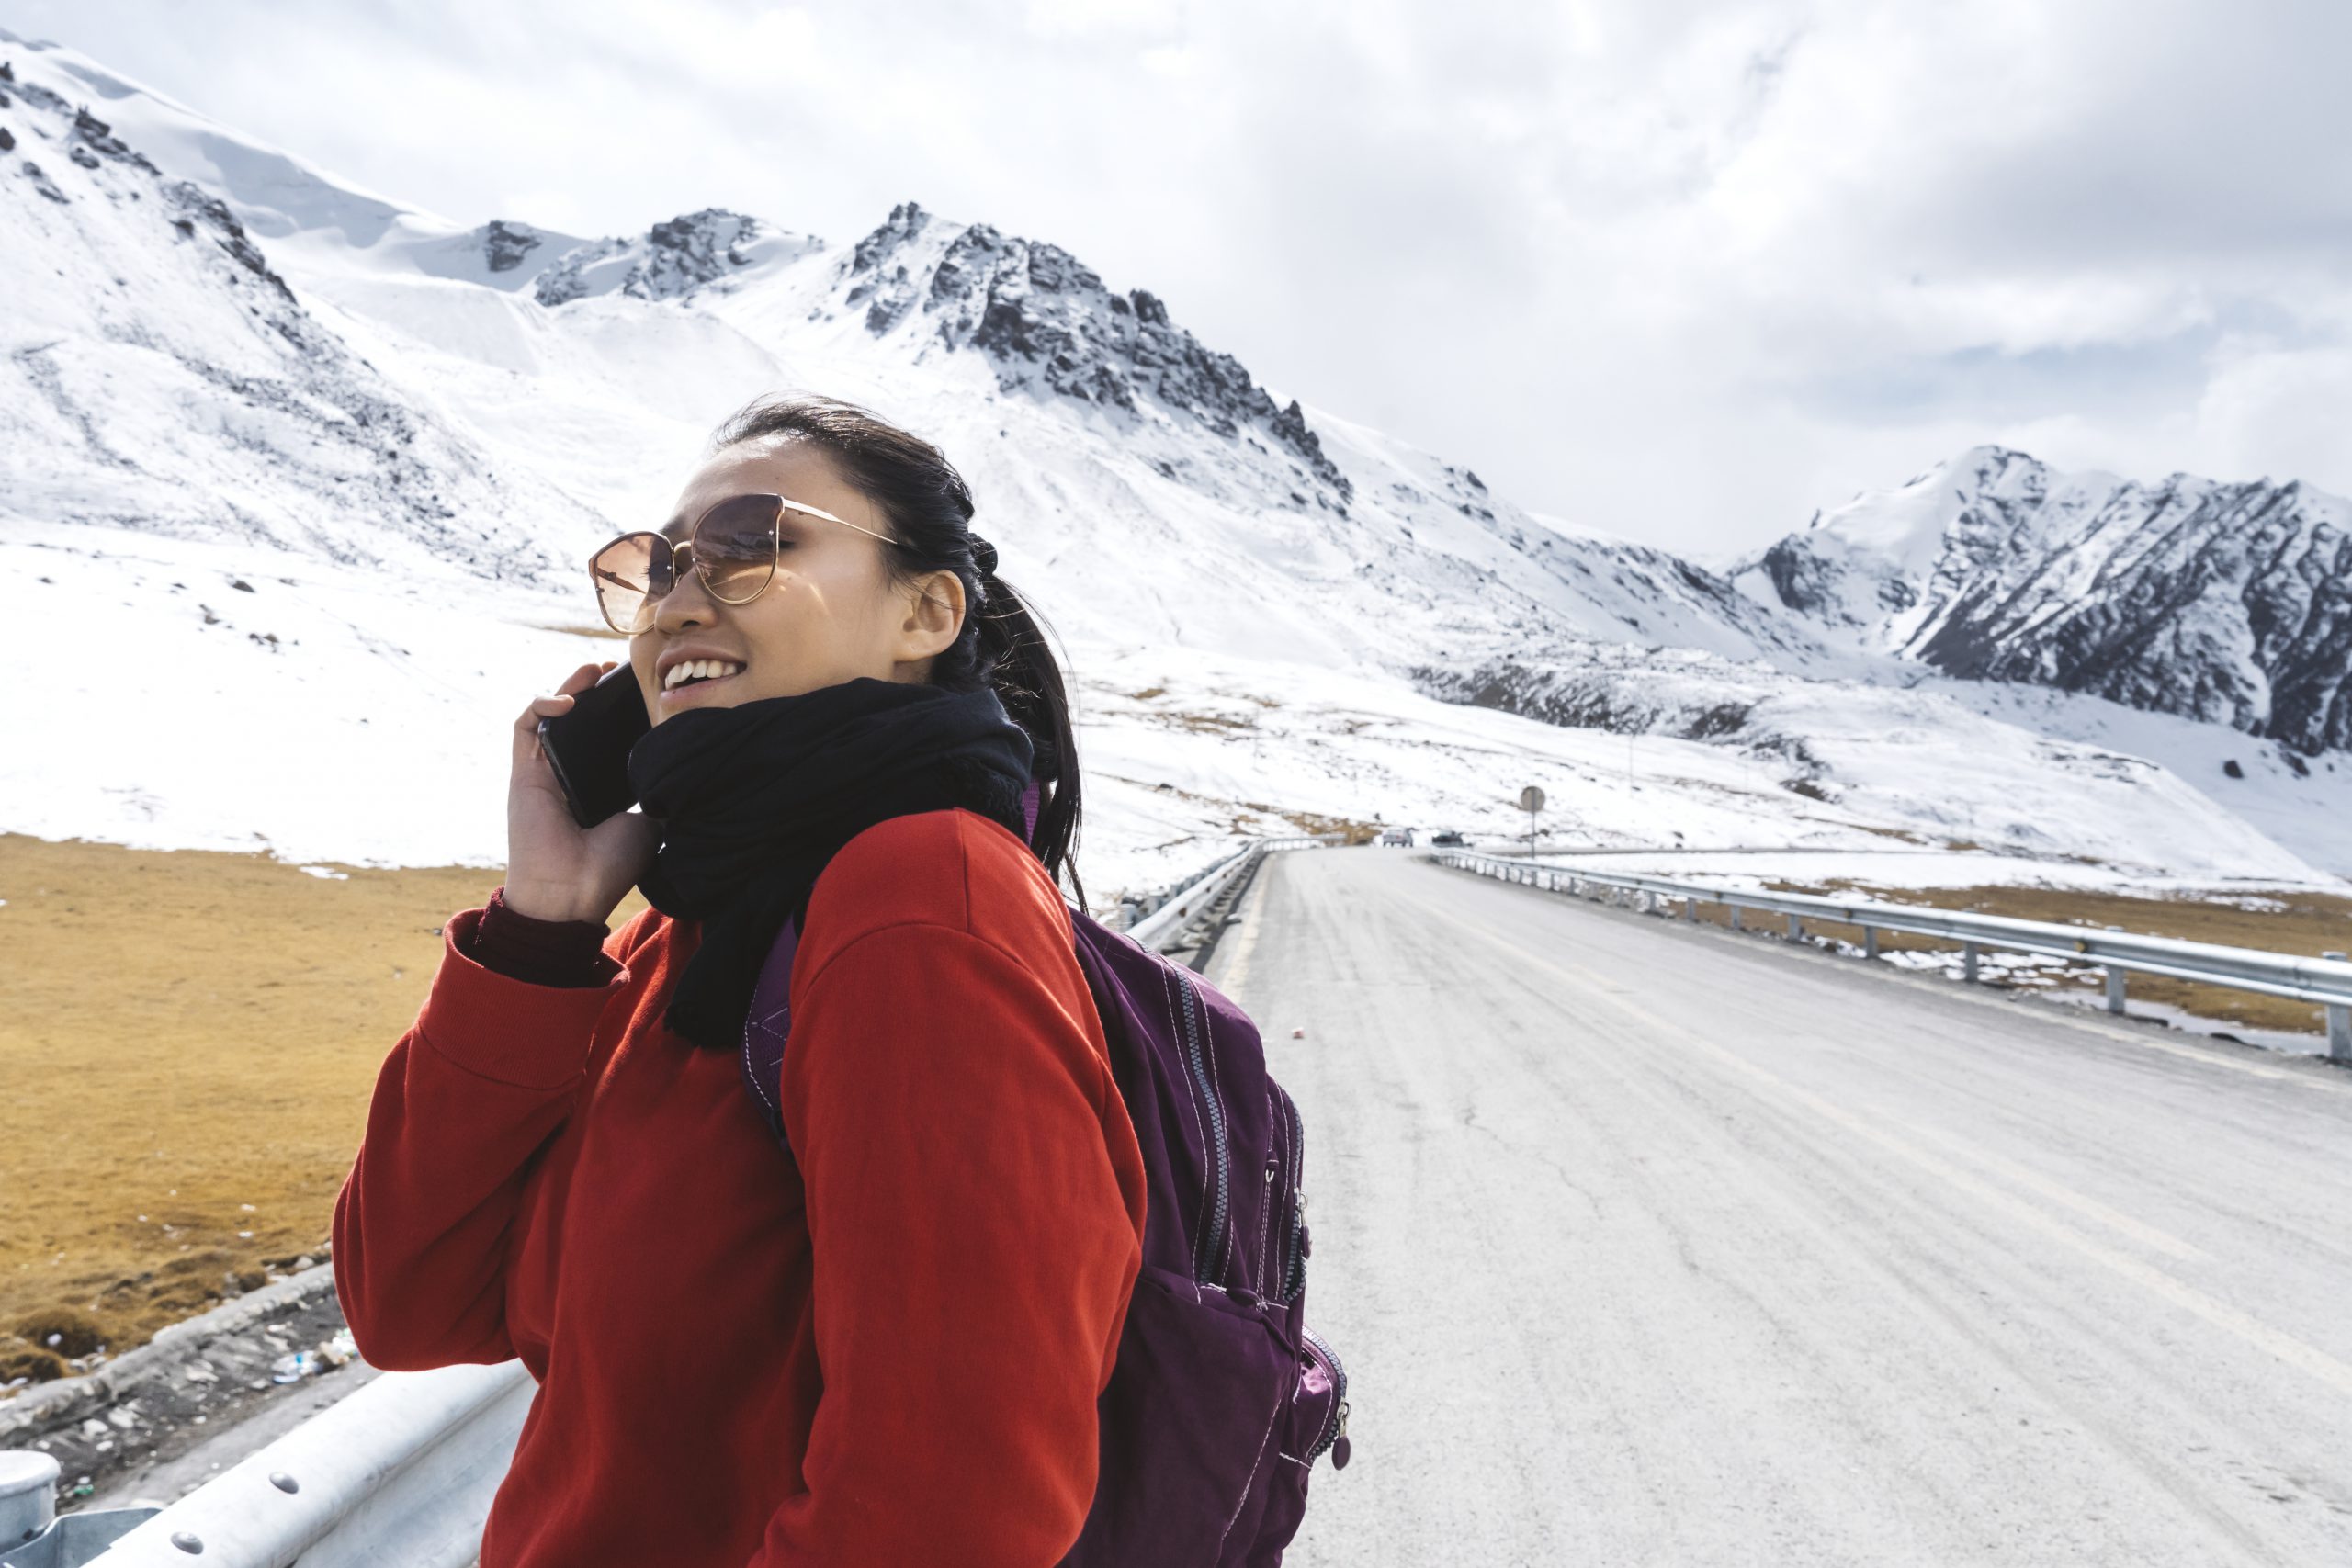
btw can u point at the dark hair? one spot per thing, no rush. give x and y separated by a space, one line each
929 511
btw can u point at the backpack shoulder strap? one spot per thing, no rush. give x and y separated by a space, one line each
767 1026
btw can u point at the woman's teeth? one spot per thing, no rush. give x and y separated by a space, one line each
698 669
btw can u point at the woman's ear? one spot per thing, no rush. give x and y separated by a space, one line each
934 615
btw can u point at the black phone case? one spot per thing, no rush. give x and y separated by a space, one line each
588 746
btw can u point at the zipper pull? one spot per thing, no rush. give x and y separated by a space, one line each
1341 1448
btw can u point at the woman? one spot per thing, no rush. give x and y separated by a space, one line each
885 1345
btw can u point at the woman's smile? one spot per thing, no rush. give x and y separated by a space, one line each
685 683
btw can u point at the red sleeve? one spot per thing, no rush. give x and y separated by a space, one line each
467 1097
545 953
974 1251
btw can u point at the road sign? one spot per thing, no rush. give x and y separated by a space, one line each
1530 799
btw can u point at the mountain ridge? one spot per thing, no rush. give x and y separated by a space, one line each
1168 513
2222 601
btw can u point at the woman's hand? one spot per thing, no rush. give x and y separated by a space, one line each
555 869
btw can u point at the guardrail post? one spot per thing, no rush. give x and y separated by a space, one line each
1796 929
2339 1024
27 1496
1734 919
2115 983
1869 941
1968 961
1691 910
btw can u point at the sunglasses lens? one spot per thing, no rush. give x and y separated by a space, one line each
631 573
735 547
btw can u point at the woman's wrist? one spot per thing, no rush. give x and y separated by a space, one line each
540 951
549 905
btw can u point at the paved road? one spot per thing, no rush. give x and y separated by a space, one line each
1649 1244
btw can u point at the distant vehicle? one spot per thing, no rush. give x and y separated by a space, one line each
1449 841
1392 837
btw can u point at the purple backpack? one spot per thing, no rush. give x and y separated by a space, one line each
1221 1398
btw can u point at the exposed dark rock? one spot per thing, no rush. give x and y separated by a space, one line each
42 183
564 280
685 253
7 139
505 244
199 208
94 136
906 221
674 258
1048 322
1724 718
41 97
1572 699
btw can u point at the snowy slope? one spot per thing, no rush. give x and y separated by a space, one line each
163 377
1268 609
2226 603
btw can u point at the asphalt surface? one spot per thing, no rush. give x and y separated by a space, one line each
1653 1244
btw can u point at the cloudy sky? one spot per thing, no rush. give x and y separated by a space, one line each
1679 268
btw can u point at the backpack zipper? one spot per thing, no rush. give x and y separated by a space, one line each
1207 1273
1334 1426
1291 1278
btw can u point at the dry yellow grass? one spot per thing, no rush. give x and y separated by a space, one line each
184 1034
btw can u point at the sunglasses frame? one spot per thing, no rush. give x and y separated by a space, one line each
686 548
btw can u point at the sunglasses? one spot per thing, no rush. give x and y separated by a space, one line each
732 548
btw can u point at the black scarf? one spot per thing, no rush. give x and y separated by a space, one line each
753 800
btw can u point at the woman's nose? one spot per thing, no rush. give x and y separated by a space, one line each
688 603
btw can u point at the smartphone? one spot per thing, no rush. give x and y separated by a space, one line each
589 745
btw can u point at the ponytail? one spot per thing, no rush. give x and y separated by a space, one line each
1002 643
1028 681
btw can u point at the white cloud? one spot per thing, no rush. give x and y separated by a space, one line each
1683 268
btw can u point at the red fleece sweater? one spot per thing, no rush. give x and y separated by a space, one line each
886 1350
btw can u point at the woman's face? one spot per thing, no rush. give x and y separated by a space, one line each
830 613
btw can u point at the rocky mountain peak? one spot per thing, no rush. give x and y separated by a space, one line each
906 221
2228 603
673 258
1048 323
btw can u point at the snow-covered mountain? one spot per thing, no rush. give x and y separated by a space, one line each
165 378
243 389
2228 603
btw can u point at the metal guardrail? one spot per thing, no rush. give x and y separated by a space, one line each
1165 913
400 1472
31 1533
2325 981
1140 907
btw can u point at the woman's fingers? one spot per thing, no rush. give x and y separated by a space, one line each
561 701
584 677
